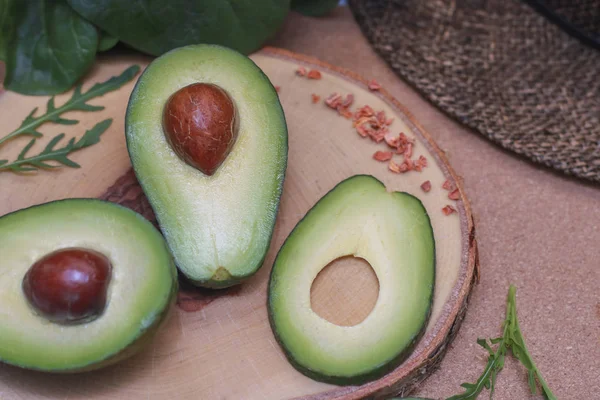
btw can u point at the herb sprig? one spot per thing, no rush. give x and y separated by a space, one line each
59 155
511 339
77 102
50 153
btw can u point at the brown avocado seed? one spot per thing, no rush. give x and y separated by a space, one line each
69 285
201 125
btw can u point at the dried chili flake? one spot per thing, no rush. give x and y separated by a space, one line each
448 210
364 111
313 74
392 166
426 186
381 117
408 151
315 98
391 140
362 131
345 113
405 138
373 85
422 160
405 166
377 136
333 100
454 195
447 185
348 101
383 155
409 163
277 88
301 71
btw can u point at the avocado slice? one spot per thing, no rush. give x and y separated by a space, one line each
218 223
390 230
141 289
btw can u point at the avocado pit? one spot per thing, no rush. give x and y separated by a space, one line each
200 124
68 286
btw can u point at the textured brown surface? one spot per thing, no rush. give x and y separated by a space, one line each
536 229
498 67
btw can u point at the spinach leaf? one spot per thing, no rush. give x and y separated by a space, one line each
157 26
106 41
314 8
51 48
7 25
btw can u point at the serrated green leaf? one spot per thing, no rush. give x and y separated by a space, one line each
25 149
51 153
78 101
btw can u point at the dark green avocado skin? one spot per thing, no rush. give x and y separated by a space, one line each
381 370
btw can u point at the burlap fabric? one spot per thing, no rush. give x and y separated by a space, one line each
503 69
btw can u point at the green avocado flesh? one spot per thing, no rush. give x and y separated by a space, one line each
390 230
141 289
218 227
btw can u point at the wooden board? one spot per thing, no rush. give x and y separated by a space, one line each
219 345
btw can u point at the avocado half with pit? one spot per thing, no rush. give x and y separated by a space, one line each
391 231
83 284
207 138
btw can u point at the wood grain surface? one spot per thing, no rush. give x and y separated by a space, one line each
219 345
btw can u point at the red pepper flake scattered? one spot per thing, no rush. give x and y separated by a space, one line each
454 195
315 98
373 85
395 168
448 185
383 155
374 125
426 186
301 71
277 88
448 210
313 74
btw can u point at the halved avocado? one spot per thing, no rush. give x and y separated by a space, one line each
140 291
219 225
390 230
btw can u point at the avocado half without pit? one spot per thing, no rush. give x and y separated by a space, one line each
207 139
391 231
83 284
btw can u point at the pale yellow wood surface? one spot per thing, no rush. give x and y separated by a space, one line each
227 350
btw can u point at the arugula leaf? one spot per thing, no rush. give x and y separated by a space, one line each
516 342
106 41
314 8
78 101
7 25
157 26
50 153
50 49
512 338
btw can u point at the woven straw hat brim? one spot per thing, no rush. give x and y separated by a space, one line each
500 68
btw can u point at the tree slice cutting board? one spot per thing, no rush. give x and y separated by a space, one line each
218 344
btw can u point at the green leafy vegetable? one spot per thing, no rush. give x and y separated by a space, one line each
512 338
157 26
106 41
50 49
7 25
78 101
50 153
314 8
